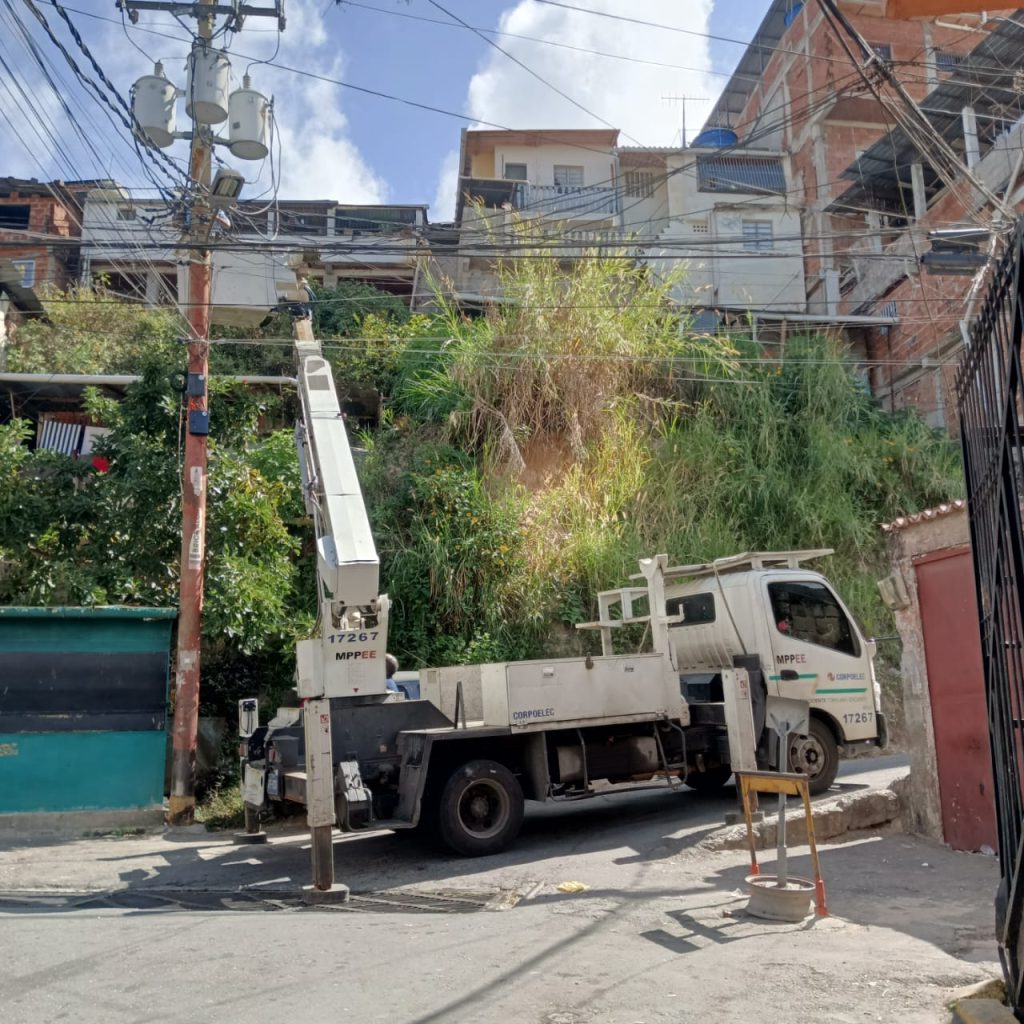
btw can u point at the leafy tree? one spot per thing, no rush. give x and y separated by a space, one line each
91 331
72 535
339 312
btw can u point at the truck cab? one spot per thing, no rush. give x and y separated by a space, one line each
809 646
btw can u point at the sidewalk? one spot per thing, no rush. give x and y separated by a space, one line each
172 929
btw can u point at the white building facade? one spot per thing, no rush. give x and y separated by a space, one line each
718 221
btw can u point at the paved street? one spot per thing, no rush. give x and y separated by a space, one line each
159 932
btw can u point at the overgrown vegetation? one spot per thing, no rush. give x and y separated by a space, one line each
580 427
524 460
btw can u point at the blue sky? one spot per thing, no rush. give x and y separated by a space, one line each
337 143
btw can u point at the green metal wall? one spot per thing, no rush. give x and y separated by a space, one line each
83 708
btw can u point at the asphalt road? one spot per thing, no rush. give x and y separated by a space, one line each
185 926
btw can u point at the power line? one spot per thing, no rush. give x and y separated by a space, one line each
129 121
515 60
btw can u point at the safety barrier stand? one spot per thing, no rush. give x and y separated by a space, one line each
784 784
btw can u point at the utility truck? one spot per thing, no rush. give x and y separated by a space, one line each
722 643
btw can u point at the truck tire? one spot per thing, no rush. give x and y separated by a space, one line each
711 780
481 809
816 755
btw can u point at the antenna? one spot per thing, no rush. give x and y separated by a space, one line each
682 101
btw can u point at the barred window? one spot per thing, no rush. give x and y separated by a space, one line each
639 184
757 235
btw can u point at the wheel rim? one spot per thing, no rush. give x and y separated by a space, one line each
483 809
807 755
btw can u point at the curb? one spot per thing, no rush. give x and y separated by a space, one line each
854 812
982 1011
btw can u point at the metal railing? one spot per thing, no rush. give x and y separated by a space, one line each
990 396
568 200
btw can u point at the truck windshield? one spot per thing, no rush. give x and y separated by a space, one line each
809 612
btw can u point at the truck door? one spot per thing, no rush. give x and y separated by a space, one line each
819 655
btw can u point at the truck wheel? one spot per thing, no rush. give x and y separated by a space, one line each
481 809
816 755
711 780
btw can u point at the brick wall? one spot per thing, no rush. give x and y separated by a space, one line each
831 117
47 215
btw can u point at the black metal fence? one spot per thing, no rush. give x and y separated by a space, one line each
990 399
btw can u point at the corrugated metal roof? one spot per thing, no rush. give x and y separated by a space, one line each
987 79
751 67
926 516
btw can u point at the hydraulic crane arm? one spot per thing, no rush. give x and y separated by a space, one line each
347 659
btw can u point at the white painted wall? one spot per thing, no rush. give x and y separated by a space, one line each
722 271
598 168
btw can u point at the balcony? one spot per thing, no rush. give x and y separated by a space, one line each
559 202
571 201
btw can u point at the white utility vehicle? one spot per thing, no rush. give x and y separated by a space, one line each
766 610
724 642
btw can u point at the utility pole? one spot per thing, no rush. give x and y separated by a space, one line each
153 99
193 490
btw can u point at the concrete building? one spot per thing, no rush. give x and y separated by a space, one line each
130 246
898 195
559 178
795 90
37 219
718 224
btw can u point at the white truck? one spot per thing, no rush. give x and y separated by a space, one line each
723 642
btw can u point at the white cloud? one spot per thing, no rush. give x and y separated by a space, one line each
321 161
625 94
443 206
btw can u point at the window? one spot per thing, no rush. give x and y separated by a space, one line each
639 184
569 175
809 612
515 172
696 609
946 61
14 216
126 213
757 235
374 219
26 272
740 174
302 222
883 50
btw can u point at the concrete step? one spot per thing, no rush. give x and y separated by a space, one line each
982 1011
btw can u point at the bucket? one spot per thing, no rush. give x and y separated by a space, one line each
770 903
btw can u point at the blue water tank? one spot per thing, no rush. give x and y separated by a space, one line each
790 15
714 137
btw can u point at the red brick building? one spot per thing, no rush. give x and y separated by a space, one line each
866 194
979 112
796 90
35 218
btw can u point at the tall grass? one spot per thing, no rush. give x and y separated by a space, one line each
579 426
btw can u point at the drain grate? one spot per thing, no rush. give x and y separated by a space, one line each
420 901
384 901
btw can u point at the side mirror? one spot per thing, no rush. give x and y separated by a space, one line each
872 647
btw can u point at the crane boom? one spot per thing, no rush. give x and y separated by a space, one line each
347 659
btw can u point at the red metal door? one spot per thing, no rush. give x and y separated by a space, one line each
949 619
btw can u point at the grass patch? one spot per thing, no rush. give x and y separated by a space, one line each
222 809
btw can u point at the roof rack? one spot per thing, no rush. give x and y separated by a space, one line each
748 560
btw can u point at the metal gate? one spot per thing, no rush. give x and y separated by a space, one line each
956 693
989 393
